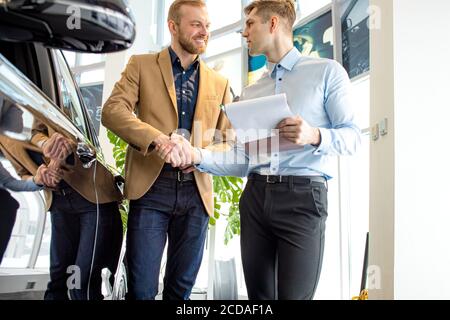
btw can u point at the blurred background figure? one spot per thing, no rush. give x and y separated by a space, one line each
9 206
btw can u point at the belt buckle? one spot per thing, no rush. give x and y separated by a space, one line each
268 180
179 176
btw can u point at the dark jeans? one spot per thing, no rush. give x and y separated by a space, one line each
174 210
74 221
282 239
8 211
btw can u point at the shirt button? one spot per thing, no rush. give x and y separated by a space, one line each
183 113
279 66
273 169
184 92
184 72
275 155
280 79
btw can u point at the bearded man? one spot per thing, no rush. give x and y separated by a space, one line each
172 90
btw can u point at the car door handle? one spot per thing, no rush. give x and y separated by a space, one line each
86 154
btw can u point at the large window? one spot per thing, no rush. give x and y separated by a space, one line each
308 7
354 176
223 43
222 16
227 65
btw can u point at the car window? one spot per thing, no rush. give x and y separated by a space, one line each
71 103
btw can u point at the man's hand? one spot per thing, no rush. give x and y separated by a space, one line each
57 147
179 153
163 147
47 177
161 140
55 165
184 150
298 131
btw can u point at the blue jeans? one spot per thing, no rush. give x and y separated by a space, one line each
172 210
74 222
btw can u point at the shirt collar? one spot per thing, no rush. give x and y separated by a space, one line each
174 58
287 62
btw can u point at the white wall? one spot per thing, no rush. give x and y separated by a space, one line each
409 214
422 69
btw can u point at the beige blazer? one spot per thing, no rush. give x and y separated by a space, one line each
16 153
143 105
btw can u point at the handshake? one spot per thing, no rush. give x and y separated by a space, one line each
57 148
177 151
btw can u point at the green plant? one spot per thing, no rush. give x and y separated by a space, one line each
119 154
227 192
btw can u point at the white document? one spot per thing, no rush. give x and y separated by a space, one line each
254 119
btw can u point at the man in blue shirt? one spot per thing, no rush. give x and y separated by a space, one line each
284 205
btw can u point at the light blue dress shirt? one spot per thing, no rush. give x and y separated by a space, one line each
10 183
319 91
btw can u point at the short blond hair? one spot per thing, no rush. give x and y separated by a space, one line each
285 9
174 10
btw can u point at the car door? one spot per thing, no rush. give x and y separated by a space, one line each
25 266
36 85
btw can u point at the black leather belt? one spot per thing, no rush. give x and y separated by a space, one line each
287 179
177 175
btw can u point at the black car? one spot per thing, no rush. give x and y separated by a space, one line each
36 84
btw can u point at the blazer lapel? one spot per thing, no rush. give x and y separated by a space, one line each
166 69
200 107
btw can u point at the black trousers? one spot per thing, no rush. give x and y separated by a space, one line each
282 238
8 211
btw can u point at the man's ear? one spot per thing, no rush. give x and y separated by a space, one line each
274 23
172 27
